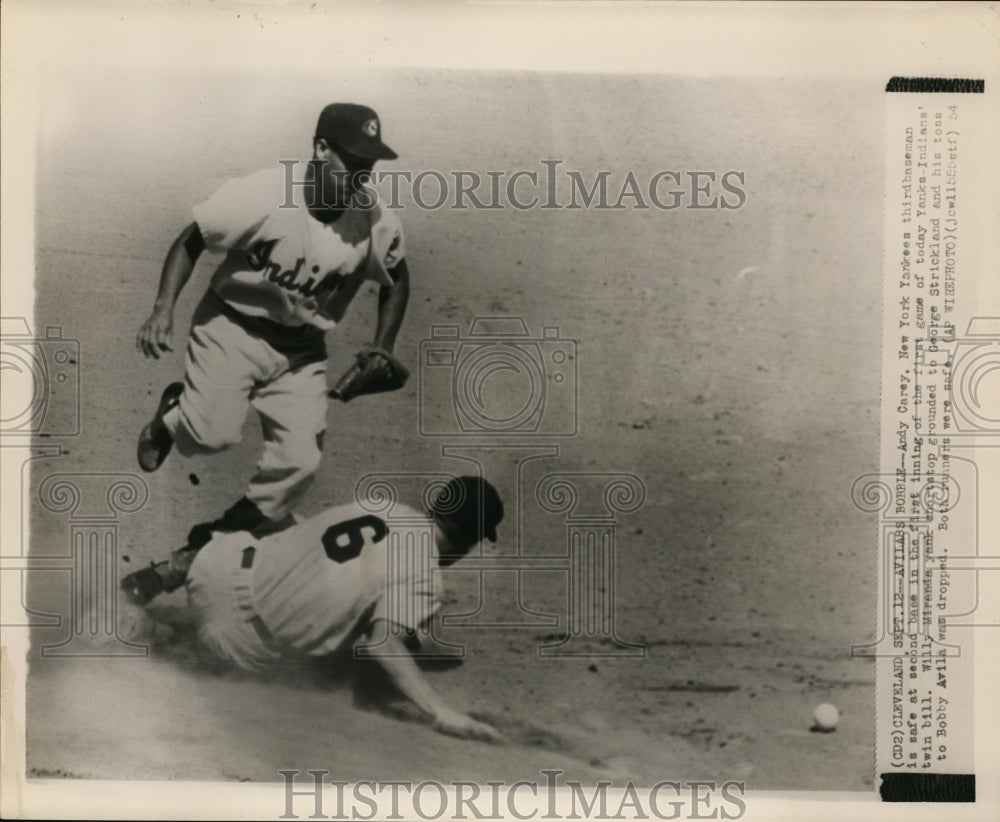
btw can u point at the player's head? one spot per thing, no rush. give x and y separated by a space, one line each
347 143
467 510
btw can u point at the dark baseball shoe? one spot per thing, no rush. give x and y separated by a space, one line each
144 585
155 441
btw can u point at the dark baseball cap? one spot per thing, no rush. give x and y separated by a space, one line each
471 504
354 128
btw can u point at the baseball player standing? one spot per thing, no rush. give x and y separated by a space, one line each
324 583
296 253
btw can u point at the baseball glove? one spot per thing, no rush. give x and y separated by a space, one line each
374 370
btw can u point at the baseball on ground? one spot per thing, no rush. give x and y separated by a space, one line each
826 716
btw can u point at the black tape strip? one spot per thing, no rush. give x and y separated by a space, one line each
942 85
928 787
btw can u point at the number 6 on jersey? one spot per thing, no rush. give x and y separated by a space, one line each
344 541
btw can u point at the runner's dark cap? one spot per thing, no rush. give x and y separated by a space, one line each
472 504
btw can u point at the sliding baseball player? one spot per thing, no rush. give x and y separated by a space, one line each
340 576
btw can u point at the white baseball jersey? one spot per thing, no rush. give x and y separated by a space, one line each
313 584
285 265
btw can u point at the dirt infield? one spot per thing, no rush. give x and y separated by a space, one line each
724 357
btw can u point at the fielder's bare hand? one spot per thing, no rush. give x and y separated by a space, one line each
156 334
463 726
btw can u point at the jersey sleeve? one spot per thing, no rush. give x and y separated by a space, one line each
235 213
388 245
396 248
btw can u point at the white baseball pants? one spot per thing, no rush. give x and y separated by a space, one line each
227 370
